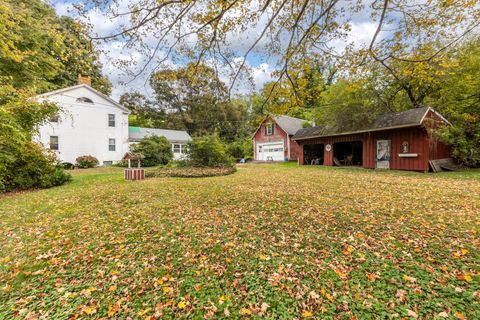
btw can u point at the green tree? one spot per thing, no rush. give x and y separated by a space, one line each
144 113
458 98
41 51
208 151
195 99
155 150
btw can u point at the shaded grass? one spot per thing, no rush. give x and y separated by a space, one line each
273 241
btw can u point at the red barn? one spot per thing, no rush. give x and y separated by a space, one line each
272 141
394 141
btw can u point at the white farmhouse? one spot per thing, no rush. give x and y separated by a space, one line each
91 123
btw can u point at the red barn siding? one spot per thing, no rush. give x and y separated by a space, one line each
438 150
294 149
418 139
278 135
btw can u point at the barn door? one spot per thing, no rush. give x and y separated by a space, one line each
383 154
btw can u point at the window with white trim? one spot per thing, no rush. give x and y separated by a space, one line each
179 148
111 144
111 120
53 142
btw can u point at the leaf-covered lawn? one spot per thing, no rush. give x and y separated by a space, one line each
269 241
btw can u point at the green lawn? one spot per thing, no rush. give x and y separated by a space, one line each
270 241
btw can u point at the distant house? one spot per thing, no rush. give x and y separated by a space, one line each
272 141
177 138
393 141
91 123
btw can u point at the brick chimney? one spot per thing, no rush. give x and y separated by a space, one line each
84 80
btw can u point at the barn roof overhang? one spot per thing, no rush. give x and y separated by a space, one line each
356 132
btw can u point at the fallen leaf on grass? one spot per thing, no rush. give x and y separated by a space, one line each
307 314
245 312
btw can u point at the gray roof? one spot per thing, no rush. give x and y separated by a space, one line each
409 118
135 134
289 124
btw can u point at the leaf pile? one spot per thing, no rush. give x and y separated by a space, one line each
267 242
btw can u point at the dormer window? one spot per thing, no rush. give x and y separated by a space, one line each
85 100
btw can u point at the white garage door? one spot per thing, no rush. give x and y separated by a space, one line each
270 151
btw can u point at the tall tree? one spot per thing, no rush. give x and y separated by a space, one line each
144 112
42 51
195 99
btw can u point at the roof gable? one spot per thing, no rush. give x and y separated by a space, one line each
288 124
404 119
70 93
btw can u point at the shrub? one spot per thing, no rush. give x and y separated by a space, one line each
208 151
190 172
155 150
86 162
121 164
23 163
463 138
67 165
34 167
241 149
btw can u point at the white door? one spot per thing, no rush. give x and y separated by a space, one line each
383 154
271 151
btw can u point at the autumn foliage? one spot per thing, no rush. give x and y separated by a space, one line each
270 241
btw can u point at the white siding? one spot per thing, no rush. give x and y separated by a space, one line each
83 127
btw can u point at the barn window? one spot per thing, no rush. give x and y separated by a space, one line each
111 120
53 142
111 144
268 129
85 100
